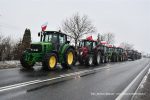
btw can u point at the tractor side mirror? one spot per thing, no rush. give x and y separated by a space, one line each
39 34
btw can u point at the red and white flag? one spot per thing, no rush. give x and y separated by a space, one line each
44 26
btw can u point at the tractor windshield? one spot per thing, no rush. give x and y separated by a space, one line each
47 38
85 44
50 38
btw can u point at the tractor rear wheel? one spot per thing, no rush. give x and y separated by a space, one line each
25 64
98 59
106 59
49 61
69 58
103 59
89 60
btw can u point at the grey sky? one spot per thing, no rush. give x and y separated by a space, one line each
129 20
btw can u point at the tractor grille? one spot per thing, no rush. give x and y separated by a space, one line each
36 48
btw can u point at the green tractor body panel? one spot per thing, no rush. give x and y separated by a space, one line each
37 51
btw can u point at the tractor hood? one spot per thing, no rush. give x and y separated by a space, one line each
41 46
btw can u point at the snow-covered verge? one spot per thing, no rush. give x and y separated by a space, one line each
13 64
9 64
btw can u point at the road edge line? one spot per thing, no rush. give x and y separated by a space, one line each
148 72
131 83
23 84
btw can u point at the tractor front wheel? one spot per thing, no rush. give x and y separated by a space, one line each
89 60
50 61
80 60
26 64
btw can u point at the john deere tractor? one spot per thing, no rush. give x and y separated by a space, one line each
120 52
53 48
115 55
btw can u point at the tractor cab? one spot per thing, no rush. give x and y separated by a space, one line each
88 44
119 50
56 38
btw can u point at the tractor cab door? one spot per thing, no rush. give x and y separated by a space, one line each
62 39
55 41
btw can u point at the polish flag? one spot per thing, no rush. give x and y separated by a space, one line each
44 26
89 38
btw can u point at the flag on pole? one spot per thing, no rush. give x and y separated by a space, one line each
44 26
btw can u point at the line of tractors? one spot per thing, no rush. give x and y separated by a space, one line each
54 48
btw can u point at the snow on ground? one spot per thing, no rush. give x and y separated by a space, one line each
9 64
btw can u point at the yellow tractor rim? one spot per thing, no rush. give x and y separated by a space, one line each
52 62
70 58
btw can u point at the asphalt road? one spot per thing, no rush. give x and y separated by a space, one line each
104 84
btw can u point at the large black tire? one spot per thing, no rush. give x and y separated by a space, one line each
81 62
25 64
89 60
75 59
97 59
113 57
116 58
68 62
49 61
106 59
102 59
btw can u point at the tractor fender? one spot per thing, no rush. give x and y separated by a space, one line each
66 47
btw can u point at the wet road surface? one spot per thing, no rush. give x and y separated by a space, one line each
104 84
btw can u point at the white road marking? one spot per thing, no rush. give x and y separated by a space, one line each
18 85
130 85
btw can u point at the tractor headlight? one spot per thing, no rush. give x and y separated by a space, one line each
34 50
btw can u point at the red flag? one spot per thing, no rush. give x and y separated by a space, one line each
89 38
44 26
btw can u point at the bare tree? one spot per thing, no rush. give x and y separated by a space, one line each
17 49
5 48
77 26
109 38
126 46
101 37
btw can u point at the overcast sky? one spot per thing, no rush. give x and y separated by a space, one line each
129 20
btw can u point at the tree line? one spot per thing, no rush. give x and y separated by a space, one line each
10 50
75 27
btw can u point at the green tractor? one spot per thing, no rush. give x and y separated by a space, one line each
52 48
120 52
114 54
